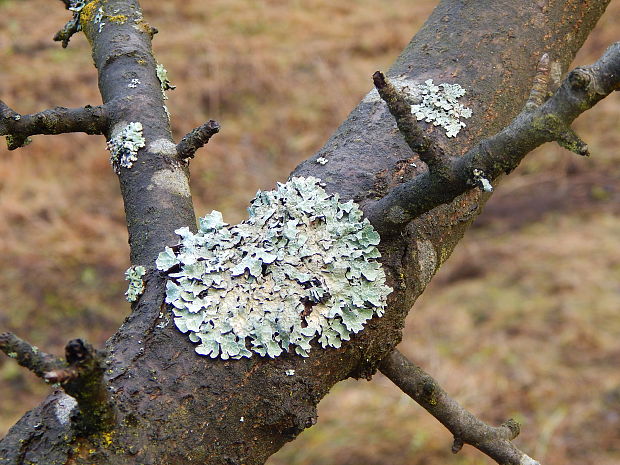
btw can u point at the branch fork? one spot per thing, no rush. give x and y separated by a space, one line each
80 375
543 119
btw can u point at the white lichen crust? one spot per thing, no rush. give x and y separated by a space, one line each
440 106
136 285
125 145
302 267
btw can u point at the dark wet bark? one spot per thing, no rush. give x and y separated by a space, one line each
175 407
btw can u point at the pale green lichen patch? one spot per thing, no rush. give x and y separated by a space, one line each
302 267
481 180
124 146
162 75
174 182
134 275
437 104
440 106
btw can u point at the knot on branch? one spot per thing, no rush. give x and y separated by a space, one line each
80 375
579 79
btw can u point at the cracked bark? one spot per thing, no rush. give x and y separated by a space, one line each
174 406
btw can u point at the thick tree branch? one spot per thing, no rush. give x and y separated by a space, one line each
490 158
466 428
81 377
17 128
222 412
196 139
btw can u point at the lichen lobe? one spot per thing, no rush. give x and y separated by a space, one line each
302 267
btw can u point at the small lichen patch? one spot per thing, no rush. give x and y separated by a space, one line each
481 180
440 106
527 460
134 83
427 260
162 75
134 275
437 104
98 20
125 145
174 182
163 147
322 161
302 267
63 407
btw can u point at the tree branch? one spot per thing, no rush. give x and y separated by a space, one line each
196 139
580 91
81 377
29 356
466 428
17 128
73 25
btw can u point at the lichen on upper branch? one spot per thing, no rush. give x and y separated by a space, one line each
124 146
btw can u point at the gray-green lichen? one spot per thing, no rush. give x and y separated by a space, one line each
124 146
440 106
302 267
481 180
134 275
162 75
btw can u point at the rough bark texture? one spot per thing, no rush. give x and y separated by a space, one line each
175 407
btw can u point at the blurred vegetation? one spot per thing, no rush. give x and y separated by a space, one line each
522 321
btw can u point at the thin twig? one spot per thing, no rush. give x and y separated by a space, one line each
196 139
428 151
29 356
464 426
59 120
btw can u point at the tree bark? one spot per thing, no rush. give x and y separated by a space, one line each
175 407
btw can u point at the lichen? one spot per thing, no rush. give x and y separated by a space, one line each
322 160
162 75
125 145
302 267
99 18
440 106
481 180
136 285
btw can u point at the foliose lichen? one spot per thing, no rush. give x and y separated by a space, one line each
136 285
481 180
162 75
302 267
99 18
440 106
125 145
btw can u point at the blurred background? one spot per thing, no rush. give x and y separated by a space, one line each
523 321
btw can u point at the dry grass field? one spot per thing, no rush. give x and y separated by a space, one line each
523 321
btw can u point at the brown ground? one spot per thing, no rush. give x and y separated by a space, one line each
522 321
